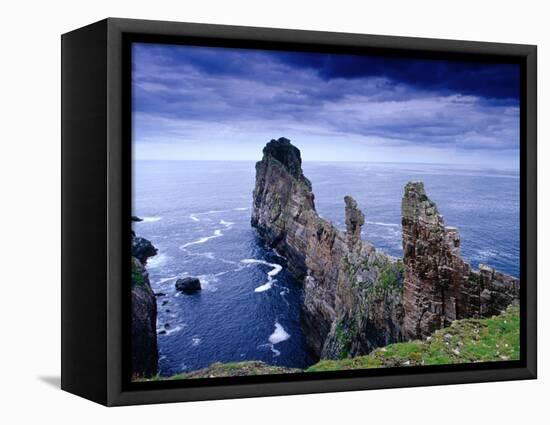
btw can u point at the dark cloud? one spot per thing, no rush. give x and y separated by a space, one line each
491 80
499 81
448 104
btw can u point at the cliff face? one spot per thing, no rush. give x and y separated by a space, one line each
356 298
325 257
144 313
439 286
284 215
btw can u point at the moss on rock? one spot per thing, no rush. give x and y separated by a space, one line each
465 341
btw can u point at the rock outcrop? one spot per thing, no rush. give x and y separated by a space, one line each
189 285
439 285
142 249
329 260
144 316
356 298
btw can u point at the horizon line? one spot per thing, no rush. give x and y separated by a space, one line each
327 161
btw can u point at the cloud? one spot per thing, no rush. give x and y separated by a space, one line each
185 94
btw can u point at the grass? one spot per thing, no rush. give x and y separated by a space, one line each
220 370
344 333
465 341
137 277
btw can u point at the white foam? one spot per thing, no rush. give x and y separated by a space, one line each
485 254
379 223
207 280
277 254
195 341
276 269
171 331
240 209
167 279
157 261
227 224
149 219
265 287
217 234
223 260
195 216
279 335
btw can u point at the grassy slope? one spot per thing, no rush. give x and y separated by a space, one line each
465 341
219 370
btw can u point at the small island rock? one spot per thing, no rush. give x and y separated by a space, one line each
188 285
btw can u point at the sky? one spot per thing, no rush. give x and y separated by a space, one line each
206 103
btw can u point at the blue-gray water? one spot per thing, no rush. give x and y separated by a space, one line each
198 216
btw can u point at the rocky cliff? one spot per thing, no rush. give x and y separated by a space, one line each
144 312
439 285
465 341
340 271
356 298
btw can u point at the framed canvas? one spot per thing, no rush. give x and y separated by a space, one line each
252 212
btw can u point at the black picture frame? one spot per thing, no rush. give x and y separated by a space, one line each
96 161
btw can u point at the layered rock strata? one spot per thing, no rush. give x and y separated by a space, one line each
356 298
144 349
329 260
439 285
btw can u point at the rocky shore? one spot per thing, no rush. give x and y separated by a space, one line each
356 298
144 312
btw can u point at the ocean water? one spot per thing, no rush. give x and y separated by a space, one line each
197 213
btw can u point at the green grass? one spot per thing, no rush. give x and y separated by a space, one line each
137 277
220 370
344 334
465 341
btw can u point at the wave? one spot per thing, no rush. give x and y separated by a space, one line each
149 219
240 209
194 216
380 223
157 261
207 281
168 279
276 269
169 331
277 254
265 287
278 335
195 341
217 234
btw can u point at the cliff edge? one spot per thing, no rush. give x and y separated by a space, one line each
144 349
357 298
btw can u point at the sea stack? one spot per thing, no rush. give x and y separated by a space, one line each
357 298
317 252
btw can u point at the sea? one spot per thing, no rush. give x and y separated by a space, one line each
197 214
